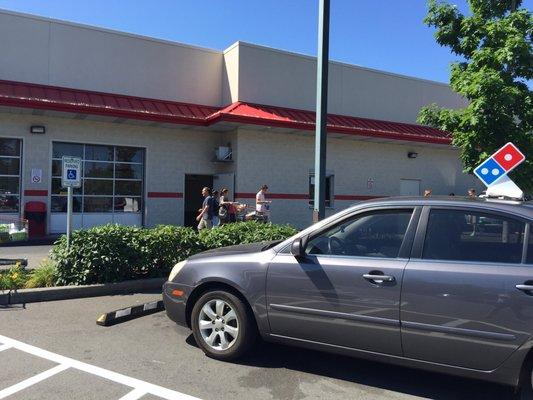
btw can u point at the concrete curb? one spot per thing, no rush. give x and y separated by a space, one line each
75 292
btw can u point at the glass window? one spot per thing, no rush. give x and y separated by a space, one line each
329 190
132 188
473 236
10 147
129 171
59 204
98 170
10 161
118 184
129 154
530 246
9 166
376 234
99 153
67 149
9 185
98 187
97 204
127 204
57 168
57 189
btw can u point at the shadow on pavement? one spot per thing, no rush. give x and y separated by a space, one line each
373 374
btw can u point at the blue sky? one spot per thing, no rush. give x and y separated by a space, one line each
383 34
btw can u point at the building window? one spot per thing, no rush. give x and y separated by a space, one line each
329 189
113 178
10 172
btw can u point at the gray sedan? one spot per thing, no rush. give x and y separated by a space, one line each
443 284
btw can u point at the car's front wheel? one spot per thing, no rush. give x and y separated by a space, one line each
222 325
525 390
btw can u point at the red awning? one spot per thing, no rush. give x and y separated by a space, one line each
301 119
28 95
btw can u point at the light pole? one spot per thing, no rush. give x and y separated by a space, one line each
319 209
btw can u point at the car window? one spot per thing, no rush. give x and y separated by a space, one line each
473 236
374 234
530 245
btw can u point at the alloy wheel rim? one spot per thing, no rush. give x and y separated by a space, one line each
218 324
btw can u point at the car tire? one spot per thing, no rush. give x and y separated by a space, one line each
222 325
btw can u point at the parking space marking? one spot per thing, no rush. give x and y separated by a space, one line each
32 381
134 395
66 362
4 347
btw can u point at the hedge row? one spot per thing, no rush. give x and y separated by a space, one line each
114 253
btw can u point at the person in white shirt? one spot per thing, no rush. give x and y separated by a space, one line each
261 203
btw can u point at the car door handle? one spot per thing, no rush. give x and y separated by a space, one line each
525 288
377 278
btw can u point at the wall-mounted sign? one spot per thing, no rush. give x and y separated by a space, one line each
36 175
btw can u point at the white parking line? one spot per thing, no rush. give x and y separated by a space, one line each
134 395
4 347
66 362
32 381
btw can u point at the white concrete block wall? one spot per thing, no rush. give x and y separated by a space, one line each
274 77
170 154
50 52
283 162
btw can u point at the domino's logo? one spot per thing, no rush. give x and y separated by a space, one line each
499 164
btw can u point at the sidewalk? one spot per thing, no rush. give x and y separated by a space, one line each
33 253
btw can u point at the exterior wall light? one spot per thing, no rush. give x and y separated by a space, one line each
38 129
412 154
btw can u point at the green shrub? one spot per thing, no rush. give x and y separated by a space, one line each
165 245
114 253
44 276
244 232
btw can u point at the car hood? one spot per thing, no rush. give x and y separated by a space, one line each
238 249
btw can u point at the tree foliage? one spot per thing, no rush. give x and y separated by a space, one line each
494 44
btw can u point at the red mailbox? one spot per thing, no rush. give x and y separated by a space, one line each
35 213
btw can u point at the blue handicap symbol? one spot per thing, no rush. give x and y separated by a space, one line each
489 171
71 174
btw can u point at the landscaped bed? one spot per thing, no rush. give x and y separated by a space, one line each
116 253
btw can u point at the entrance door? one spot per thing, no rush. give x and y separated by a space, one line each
193 196
346 290
409 187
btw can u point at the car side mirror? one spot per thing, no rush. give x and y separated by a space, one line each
298 247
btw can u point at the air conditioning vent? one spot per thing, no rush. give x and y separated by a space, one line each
223 153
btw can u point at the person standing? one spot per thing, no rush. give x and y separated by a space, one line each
262 205
205 216
216 205
228 207
471 192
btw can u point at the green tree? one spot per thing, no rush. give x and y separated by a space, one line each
494 45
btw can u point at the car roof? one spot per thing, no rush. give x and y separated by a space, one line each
521 208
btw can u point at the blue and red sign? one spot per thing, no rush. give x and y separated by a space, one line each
499 164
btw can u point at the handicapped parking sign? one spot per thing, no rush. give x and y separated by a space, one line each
71 176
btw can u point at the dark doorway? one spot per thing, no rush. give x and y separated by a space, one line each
193 196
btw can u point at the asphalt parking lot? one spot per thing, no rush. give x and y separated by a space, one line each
55 350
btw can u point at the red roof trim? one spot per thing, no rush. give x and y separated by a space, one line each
29 95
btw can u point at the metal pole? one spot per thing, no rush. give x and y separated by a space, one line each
319 210
69 216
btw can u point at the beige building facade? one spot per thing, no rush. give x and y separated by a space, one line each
156 120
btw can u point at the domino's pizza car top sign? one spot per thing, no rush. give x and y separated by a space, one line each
494 170
71 176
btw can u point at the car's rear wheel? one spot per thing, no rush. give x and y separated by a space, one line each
222 325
